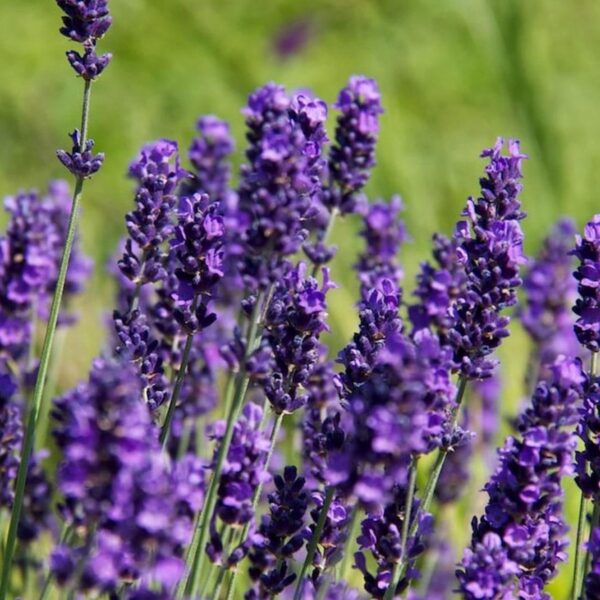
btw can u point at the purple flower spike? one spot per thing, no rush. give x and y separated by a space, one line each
587 306
149 225
88 65
490 249
519 543
279 537
592 580
290 347
85 20
209 154
550 291
384 233
353 155
279 180
81 162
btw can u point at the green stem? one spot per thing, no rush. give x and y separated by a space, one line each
410 493
185 357
332 218
347 555
581 558
314 540
437 469
38 393
197 553
578 567
258 490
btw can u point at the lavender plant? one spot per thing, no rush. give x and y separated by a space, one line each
220 446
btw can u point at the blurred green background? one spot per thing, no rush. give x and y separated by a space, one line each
454 75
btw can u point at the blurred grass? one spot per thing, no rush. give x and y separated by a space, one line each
454 75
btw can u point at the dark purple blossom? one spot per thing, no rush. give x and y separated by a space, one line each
438 287
490 248
378 321
149 225
81 162
198 248
399 412
587 305
243 467
352 156
279 537
88 65
384 232
290 347
85 20
549 293
381 536
278 181
588 458
209 155
524 517
591 589
117 485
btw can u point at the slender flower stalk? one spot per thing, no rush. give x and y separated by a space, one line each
38 393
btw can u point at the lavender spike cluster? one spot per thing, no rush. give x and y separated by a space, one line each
117 486
279 537
352 156
399 412
490 247
290 347
282 173
550 292
209 154
149 225
85 22
383 233
592 580
519 543
381 536
587 305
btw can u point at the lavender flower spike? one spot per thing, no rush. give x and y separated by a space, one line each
353 154
86 21
81 162
587 306
490 248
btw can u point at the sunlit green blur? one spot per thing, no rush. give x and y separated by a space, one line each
454 75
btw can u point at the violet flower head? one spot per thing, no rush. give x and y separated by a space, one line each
11 435
149 225
524 511
439 285
378 320
290 346
278 181
28 266
114 476
279 537
384 232
587 305
352 156
81 162
591 586
490 247
381 537
587 460
399 412
243 468
456 472
198 247
86 21
550 291
209 155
